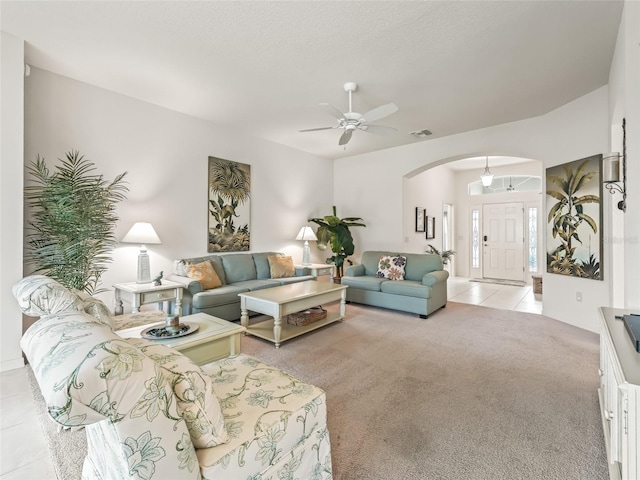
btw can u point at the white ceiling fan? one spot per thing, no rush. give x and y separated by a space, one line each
350 120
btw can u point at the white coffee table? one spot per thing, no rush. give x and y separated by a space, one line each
215 338
295 297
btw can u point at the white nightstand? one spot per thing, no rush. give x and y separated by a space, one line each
143 293
318 269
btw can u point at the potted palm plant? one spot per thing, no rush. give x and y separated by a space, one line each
446 255
72 219
334 232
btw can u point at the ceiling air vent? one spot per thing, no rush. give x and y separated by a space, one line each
421 133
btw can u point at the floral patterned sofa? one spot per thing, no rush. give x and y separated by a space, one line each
151 413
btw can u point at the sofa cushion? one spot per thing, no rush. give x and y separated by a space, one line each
364 282
263 269
96 308
205 274
281 266
370 261
220 296
391 268
39 295
268 413
196 401
419 264
409 288
252 285
239 267
180 266
286 281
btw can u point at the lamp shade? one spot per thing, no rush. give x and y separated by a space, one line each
306 233
487 176
611 167
143 233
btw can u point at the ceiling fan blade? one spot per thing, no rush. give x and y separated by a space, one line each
378 129
345 137
333 111
380 112
316 129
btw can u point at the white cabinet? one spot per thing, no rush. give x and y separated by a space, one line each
619 396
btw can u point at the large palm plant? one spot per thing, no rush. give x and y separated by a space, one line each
334 231
567 215
71 231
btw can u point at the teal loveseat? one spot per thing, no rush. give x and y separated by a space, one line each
423 290
238 272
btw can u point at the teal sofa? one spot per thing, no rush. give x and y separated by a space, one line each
423 291
239 273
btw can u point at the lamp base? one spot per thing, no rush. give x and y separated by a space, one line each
144 270
306 254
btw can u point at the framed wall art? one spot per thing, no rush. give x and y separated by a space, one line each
431 227
229 206
574 219
419 219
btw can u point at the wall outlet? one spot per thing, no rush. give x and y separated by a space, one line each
579 296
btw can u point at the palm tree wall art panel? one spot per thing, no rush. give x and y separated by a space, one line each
574 235
229 206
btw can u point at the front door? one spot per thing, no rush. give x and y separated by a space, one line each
503 241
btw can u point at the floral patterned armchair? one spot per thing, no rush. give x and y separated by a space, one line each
151 413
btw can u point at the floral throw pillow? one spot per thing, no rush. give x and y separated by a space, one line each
281 266
205 274
391 268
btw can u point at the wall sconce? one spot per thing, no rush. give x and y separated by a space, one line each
306 234
142 233
487 176
611 177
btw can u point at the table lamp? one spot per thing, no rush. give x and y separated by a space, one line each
306 234
142 233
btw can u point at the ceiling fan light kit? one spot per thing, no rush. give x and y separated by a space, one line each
351 121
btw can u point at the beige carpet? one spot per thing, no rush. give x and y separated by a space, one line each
469 393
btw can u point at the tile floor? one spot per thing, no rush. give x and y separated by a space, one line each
505 297
23 451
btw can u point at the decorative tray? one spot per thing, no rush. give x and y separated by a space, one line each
160 332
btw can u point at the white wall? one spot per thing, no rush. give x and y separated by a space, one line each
11 167
576 130
428 190
624 102
166 156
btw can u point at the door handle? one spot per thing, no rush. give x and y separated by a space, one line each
484 238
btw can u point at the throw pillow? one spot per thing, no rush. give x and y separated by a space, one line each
96 308
205 274
281 266
391 268
197 404
39 295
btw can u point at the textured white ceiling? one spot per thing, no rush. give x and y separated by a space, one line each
264 66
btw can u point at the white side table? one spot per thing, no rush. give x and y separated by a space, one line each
215 338
318 269
143 293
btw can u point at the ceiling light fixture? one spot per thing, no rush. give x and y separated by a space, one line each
487 176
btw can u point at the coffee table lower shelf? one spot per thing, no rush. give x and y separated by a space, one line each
264 329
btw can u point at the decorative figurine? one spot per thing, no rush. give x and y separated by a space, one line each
172 324
158 280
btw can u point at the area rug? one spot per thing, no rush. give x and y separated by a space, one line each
497 281
67 448
471 393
